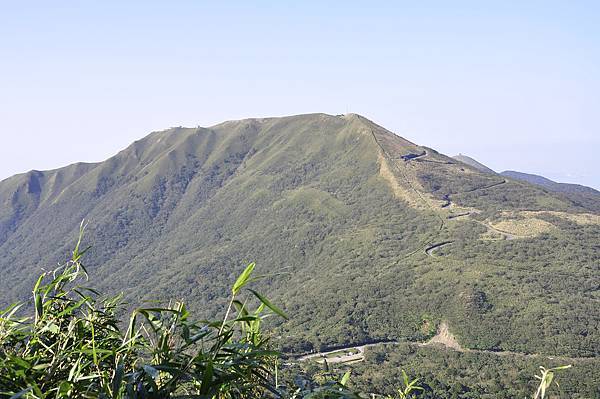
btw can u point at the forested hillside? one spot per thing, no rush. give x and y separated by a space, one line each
374 237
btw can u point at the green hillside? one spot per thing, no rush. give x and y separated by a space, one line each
349 213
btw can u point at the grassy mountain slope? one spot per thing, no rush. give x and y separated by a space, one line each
472 162
345 209
549 184
576 193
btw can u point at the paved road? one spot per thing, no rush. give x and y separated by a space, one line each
429 250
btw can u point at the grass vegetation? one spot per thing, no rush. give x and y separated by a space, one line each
174 212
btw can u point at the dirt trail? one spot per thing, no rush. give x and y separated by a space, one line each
438 162
401 191
347 354
504 234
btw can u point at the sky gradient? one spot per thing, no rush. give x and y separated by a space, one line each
515 85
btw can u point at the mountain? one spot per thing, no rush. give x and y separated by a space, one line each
371 237
550 184
577 194
472 162
574 193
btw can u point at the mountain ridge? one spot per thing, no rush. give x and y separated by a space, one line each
550 184
575 193
324 196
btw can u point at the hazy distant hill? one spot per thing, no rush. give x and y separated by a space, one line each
350 212
549 184
576 194
472 162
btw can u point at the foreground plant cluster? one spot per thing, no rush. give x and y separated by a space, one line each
76 346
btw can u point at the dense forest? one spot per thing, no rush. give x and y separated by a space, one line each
72 344
450 374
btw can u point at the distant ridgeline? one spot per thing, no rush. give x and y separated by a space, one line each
583 196
349 214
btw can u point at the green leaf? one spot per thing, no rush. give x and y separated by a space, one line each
269 304
345 378
117 380
243 279
241 308
405 378
21 393
72 308
246 318
64 388
39 305
207 378
76 253
74 370
38 282
562 367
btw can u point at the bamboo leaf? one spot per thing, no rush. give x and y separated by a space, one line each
21 393
207 378
117 380
269 304
243 278
345 378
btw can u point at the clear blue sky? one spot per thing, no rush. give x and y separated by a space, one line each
514 84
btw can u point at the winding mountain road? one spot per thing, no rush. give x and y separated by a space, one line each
459 215
429 250
506 234
443 338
